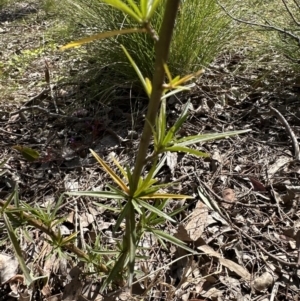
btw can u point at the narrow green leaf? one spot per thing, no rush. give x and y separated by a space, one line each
125 211
171 239
162 123
137 70
165 196
177 90
131 237
69 238
136 206
149 180
178 148
155 210
207 137
168 73
172 131
112 174
204 198
100 36
117 191
152 8
117 269
17 249
120 5
28 153
136 8
183 116
143 6
97 194
123 172
8 201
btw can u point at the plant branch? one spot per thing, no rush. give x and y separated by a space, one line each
162 51
290 13
39 225
269 27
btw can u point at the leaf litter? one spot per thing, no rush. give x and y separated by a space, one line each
243 224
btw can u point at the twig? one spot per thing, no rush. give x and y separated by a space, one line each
290 13
290 132
37 97
48 81
39 225
224 215
269 27
55 115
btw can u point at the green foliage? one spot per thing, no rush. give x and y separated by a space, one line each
3 3
144 201
202 30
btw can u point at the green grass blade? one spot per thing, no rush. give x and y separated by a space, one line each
152 7
8 201
178 148
117 269
177 90
171 239
17 250
155 210
161 123
122 216
136 207
136 8
120 5
97 194
207 137
137 70
131 238
143 6
100 36
149 180
172 131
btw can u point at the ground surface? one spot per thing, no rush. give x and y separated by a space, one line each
248 241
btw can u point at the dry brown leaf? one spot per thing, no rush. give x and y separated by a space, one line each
263 282
280 162
231 265
197 221
172 161
8 268
228 195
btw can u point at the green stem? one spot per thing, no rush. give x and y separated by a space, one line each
130 237
33 221
162 50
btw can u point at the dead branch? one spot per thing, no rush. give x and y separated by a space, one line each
268 27
290 13
290 132
55 115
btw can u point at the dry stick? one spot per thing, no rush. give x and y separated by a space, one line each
290 132
290 13
270 27
70 118
225 216
39 225
48 81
